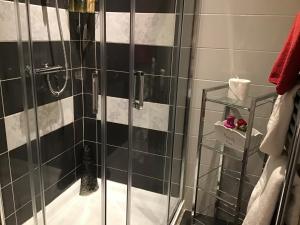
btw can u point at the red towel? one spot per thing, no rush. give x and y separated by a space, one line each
285 72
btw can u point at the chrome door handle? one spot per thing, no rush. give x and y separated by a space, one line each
139 84
95 87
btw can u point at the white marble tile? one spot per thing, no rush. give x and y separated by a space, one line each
153 116
51 117
8 23
150 28
155 28
42 17
97 27
117 27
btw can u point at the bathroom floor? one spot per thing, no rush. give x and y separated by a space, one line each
148 208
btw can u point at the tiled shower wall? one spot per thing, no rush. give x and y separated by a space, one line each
67 124
233 38
59 124
155 53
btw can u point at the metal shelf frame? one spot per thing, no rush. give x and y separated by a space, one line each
249 105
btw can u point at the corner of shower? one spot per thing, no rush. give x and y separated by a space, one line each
138 152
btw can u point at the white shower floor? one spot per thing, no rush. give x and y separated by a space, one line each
148 208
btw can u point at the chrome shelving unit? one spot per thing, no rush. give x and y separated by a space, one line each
221 187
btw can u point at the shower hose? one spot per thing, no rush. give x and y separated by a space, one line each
57 93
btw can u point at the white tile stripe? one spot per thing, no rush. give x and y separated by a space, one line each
41 17
51 117
153 116
150 29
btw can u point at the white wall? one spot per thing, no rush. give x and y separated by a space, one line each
234 37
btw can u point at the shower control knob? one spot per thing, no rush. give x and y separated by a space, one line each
46 65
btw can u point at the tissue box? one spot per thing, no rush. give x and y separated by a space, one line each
236 139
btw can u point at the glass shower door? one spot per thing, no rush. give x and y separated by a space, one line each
152 114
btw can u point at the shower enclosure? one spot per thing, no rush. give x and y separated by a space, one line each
108 80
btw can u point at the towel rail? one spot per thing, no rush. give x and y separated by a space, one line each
293 150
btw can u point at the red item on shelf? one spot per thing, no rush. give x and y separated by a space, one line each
285 72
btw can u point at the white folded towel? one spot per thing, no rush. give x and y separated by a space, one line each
264 197
293 210
278 124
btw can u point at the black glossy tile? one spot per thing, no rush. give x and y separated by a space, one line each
189 6
88 106
1 103
57 189
182 91
88 80
87 25
77 81
180 120
176 171
3 144
57 80
24 213
178 146
186 218
117 157
118 6
78 126
7 195
90 126
117 134
21 188
9 67
99 130
147 183
11 98
75 54
57 168
119 176
74 25
187 32
78 153
118 57
4 170
88 54
117 84
50 53
18 162
184 63
11 220
153 59
148 164
155 6
57 142
78 107
157 89
95 148
151 141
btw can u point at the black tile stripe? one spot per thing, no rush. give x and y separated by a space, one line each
9 66
155 6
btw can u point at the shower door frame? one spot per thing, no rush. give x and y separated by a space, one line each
171 217
30 74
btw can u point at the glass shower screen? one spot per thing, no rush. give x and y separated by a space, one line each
100 152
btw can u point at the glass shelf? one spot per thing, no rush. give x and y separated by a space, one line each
219 95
